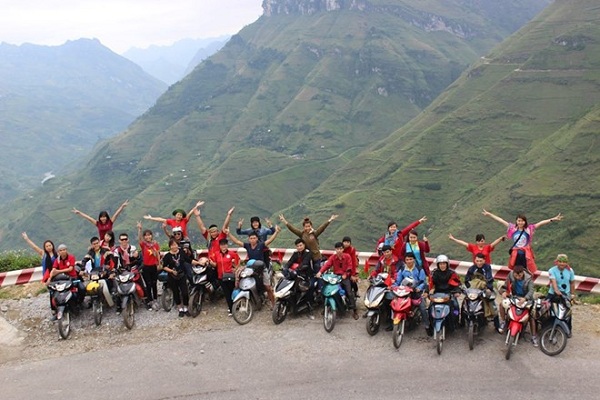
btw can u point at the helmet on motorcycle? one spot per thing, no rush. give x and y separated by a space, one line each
203 261
92 287
250 263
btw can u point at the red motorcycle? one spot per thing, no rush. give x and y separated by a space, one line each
405 307
518 316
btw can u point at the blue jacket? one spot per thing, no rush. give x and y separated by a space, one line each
485 271
418 274
262 232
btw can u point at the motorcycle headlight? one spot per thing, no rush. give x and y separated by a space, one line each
472 296
95 277
247 272
123 278
60 287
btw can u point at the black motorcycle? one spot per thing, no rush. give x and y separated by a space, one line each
292 294
199 287
65 299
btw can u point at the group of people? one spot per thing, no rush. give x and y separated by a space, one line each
402 255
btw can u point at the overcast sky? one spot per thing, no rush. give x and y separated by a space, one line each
121 24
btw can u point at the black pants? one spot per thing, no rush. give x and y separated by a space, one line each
347 285
228 286
150 275
179 287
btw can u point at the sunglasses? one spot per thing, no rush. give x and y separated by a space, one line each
123 239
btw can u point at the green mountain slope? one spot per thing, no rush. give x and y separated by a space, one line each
262 123
518 132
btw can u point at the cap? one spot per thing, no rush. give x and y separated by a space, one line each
61 247
562 258
254 219
177 229
180 211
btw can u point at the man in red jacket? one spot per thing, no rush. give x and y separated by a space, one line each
342 265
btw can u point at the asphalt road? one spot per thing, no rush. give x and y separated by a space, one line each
299 360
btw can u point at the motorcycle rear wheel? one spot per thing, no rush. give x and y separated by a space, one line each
328 317
64 325
398 333
97 311
166 299
373 323
471 335
279 312
510 344
242 310
196 303
129 315
553 343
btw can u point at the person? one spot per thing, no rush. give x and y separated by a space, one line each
521 233
310 236
410 270
173 264
150 250
47 252
480 276
520 284
300 262
212 235
181 218
108 242
256 227
480 246
125 256
418 248
444 280
96 255
65 264
104 223
341 265
388 262
394 238
351 251
256 251
225 262
562 282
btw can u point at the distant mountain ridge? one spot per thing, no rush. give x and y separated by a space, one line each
56 102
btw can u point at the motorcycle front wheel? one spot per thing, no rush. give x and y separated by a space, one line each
64 325
97 311
279 312
553 341
471 335
328 317
398 333
510 344
373 323
166 299
129 315
242 310
196 303
440 340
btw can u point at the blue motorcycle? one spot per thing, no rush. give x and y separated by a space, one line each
334 300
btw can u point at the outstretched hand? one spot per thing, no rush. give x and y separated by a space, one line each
423 219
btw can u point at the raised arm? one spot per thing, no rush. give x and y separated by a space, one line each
321 228
495 217
291 227
84 215
139 231
461 242
497 241
34 246
273 236
119 210
189 214
559 217
410 227
233 238
199 221
156 219
227 219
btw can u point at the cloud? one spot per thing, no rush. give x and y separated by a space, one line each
121 24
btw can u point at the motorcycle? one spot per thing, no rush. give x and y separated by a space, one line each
199 287
291 294
376 302
473 313
518 316
441 320
250 294
405 307
552 317
334 299
166 297
64 298
97 289
130 292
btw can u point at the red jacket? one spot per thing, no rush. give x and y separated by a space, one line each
351 251
340 266
399 238
61 264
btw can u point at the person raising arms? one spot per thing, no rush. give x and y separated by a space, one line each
48 253
104 223
181 218
394 238
480 246
521 233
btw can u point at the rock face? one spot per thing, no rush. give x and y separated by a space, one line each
308 7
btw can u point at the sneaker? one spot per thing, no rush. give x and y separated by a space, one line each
181 313
355 315
53 318
149 306
389 328
429 331
311 315
229 314
501 327
534 341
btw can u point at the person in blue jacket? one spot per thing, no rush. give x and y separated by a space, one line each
410 270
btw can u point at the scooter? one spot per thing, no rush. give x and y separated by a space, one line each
441 320
405 307
518 316
65 299
376 302
130 292
291 295
473 313
166 297
199 286
97 289
334 299
250 294
552 317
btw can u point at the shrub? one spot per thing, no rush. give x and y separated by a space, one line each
18 259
